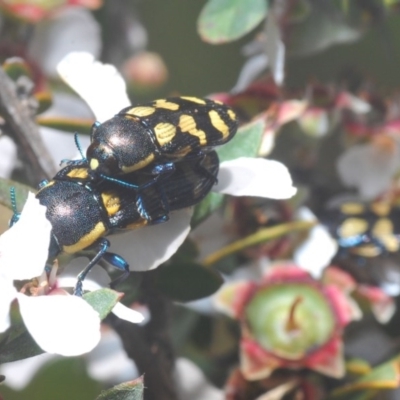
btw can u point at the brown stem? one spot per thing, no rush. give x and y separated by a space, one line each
150 346
25 132
292 324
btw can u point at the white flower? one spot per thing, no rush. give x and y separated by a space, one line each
369 167
61 324
317 251
151 246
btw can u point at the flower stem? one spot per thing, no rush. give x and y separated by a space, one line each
261 236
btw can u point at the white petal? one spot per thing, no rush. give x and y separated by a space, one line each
7 295
275 48
316 252
73 29
148 247
100 85
65 325
24 247
127 314
251 70
8 156
61 144
255 177
369 168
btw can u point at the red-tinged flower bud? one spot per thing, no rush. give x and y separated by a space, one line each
37 10
289 320
145 70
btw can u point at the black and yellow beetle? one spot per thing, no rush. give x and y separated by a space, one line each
365 229
158 133
83 212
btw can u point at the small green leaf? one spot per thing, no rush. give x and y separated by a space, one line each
322 28
62 379
188 251
80 125
17 344
384 376
222 21
16 67
45 101
246 143
132 390
187 281
102 300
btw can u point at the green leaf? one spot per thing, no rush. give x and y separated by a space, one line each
384 376
61 379
80 125
45 101
323 28
102 300
222 21
246 142
188 251
17 344
132 390
16 67
187 281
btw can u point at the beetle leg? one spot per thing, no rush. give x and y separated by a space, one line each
103 244
198 167
118 262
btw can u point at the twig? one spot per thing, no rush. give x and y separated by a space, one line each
150 346
25 132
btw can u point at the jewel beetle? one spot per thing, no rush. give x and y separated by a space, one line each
82 213
158 133
364 229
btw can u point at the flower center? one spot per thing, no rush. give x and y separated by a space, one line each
290 319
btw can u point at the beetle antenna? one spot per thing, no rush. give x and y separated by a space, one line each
16 214
78 145
13 200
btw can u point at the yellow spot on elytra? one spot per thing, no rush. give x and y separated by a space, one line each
169 105
232 115
81 173
141 111
85 241
194 99
165 132
383 230
111 203
368 250
352 208
218 123
94 163
188 124
353 227
138 165
380 208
